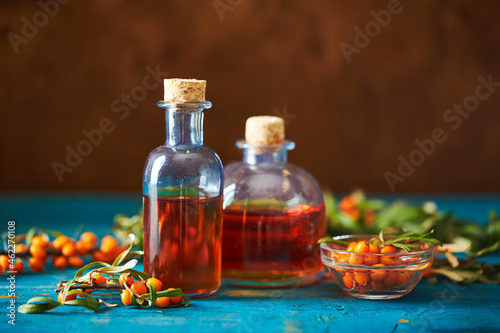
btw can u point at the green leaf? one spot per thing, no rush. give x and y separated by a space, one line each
136 274
401 246
122 255
334 241
83 302
29 236
457 275
45 305
118 269
66 290
487 250
79 273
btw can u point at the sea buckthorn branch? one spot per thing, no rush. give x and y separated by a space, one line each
143 294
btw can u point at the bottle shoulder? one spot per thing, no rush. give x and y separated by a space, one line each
288 182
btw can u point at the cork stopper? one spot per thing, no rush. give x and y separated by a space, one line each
265 130
184 90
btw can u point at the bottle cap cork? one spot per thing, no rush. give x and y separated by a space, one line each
265 130
184 90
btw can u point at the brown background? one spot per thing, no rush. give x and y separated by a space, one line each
352 120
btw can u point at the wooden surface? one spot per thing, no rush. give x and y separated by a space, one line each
319 308
350 121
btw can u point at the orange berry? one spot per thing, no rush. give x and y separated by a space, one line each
163 302
356 259
40 241
60 241
69 297
348 282
20 248
36 264
59 262
68 249
362 278
99 256
388 261
108 244
372 248
388 249
390 280
155 282
75 261
38 251
4 262
87 291
125 296
370 259
98 279
361 247
81 248
175 300
378 274
377 286
404 278
351 246
18 267
90 238
126 278
139 288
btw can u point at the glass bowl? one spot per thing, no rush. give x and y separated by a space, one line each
375 276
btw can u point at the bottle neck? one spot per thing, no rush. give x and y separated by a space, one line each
184 128
265 155
184 123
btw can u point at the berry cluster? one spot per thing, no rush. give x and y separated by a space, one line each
141 288
63 251
376 278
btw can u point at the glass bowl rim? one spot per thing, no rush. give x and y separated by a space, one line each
327 246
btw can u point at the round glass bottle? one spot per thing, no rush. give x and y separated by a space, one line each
182 200
274 214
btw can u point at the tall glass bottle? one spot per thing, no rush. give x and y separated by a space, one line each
182 197
274 213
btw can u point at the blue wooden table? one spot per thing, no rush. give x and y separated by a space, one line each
444 307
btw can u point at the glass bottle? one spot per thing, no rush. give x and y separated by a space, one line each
182 200
274 214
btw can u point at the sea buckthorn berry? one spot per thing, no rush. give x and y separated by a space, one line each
155 282
68 249
163 302
40 241
388 249
139 288
175 300
90 238
388 261
18 267
361 247
108 244
60 241
372 248
4 262
126 278
404 278
341 258
377 286
99 256
38 251
370 260
378 274
356 259
98 279
125 296
81 248
20 248
87 291
361 278
348 282
390 280
69 297
59 262
351 246
36 264
75 261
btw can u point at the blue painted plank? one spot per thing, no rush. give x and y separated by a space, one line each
319 308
